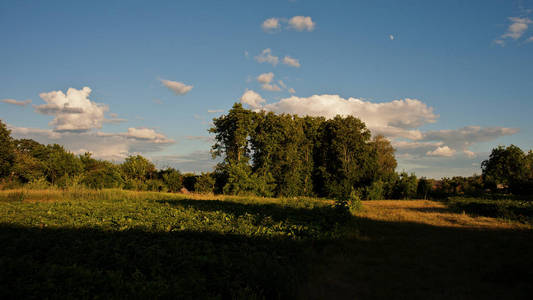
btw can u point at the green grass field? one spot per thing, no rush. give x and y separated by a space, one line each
120 244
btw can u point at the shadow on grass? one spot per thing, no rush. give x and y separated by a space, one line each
379 260
428 209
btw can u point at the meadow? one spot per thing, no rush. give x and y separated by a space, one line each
82 243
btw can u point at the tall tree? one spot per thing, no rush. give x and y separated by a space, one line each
345 157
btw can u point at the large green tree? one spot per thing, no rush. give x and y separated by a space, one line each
508 167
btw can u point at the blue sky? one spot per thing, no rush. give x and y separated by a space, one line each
468 65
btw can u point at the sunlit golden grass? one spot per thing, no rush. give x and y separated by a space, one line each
430 213
84 194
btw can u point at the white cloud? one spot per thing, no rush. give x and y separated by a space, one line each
16 102
301 23
293 62
142 133
267 57
443 151
212 111
177 87
529 39
253 99
271 25
515 31
292 91
73 111
391 37
265 77
517 27
270 87
398 118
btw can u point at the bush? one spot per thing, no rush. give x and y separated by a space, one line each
205 183
509 209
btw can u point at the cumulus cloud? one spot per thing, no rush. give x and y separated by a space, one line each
267 57
292 91
293 62
398 118
16 102
177 87
443 151
73 111
301 23
516 30
265 77
271 25
252 99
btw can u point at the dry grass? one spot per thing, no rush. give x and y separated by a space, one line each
430 213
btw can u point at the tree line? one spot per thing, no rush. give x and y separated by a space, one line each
27 162
267 154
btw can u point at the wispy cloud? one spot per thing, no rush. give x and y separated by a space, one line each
267 57
516 30
16 102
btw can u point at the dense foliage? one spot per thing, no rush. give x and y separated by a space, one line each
287 155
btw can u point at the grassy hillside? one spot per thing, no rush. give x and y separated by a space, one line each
117 244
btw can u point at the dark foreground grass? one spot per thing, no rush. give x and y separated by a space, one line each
161 246
173 246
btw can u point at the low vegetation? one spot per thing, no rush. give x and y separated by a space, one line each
519 210
112 243
81 243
